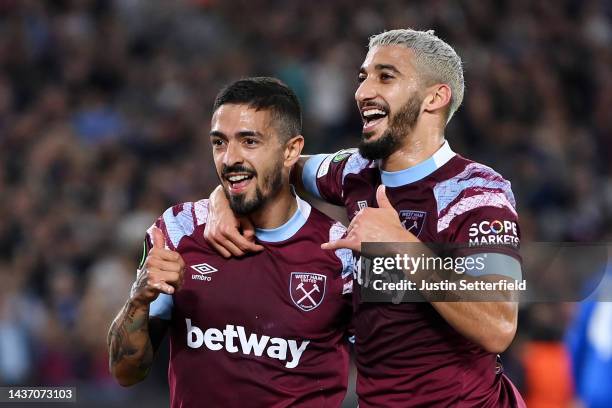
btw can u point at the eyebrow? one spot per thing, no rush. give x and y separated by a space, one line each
380 67
216 133
242 133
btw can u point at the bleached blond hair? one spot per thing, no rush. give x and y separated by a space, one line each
434 59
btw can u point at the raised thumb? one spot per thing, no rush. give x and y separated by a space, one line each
381 197
158 238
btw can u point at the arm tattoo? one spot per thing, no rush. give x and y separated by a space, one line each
140 282
130 323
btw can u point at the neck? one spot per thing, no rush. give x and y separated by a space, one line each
276 211
419 145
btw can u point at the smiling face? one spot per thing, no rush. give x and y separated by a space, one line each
389 98
248 156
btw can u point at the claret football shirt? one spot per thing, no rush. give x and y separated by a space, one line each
265 330
407 354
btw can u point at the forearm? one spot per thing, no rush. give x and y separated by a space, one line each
486 317
492 325
130 348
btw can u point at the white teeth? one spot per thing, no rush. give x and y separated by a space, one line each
235 179
372 112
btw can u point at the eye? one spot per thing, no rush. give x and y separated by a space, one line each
361 78
217 142
250 141
385 77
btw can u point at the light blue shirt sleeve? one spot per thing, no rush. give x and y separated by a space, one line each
309 173
496 264
162 307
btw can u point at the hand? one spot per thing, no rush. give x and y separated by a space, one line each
222 229
373 225
162 272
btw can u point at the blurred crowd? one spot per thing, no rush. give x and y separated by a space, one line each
105 110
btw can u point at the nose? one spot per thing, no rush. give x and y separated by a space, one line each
232 154
365 92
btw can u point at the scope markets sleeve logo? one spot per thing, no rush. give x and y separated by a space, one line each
494 232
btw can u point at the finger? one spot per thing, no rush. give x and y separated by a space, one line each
231 247
253 247
353 223
175 280
171 278
247 226
341 243
381 197
164 254
220 249
165 266
208 232
234 235
246 240
163 287
158 238
244 244
249 234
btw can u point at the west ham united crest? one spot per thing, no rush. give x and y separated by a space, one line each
413 220
307 289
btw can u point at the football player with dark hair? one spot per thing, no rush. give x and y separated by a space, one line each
268 329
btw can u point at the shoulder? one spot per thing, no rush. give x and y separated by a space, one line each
181 220
349 161
355 163
469 186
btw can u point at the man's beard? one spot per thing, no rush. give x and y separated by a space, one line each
272 182
400 125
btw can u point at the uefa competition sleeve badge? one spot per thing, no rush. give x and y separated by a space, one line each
307 289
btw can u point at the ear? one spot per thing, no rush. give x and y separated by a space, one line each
293 149
438 97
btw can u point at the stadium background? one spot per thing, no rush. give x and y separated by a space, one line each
104 114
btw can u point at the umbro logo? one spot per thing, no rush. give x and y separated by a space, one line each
203 269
